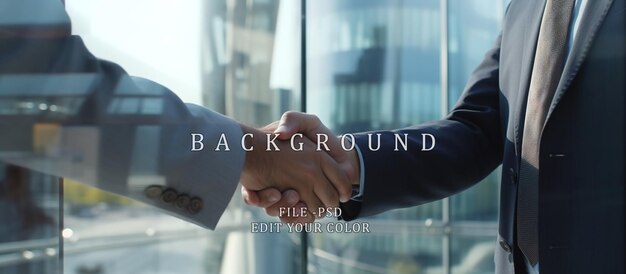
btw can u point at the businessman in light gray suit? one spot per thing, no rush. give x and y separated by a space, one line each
548 104
69 114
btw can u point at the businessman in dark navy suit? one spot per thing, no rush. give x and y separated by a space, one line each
547 103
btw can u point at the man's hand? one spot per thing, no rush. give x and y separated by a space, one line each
315 175
310 126
273 200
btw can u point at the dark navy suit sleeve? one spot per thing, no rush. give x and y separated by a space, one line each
468 147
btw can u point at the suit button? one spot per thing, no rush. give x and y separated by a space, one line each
169 196
505 246
183 201
195 206
153 192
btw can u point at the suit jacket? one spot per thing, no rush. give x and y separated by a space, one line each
67 113
582 150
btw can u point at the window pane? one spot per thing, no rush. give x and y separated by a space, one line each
375 65
403 249
478 203
473 27
472 255
105 233
29 232
237 57
372 64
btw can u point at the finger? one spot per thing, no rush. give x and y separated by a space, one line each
249 197
311 127
289 199
326 192
292 122
268 197
338 178
301 219
335 148
338 151
312 201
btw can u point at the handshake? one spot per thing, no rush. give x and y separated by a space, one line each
316 173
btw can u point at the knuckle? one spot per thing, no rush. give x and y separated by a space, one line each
289 115
316 119
332 195
281 204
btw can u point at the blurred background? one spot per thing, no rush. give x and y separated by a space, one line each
357 64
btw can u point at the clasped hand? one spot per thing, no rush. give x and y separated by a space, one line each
313 176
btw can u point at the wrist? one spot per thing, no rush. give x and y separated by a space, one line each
252 173
352 164
355 176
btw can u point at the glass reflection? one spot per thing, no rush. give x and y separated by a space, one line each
473 26
372 64
376 65
29 206
472 255
224 60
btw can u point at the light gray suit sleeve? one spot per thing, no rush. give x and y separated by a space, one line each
66 113
147 157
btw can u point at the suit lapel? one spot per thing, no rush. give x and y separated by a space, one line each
534 13
593 16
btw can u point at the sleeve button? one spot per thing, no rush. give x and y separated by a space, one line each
195 206
183 201
153 192
169 196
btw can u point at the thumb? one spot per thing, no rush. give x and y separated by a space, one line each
270 127
310 126
261 198
292 122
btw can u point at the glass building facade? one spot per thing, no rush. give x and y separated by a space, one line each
391 64
359 65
